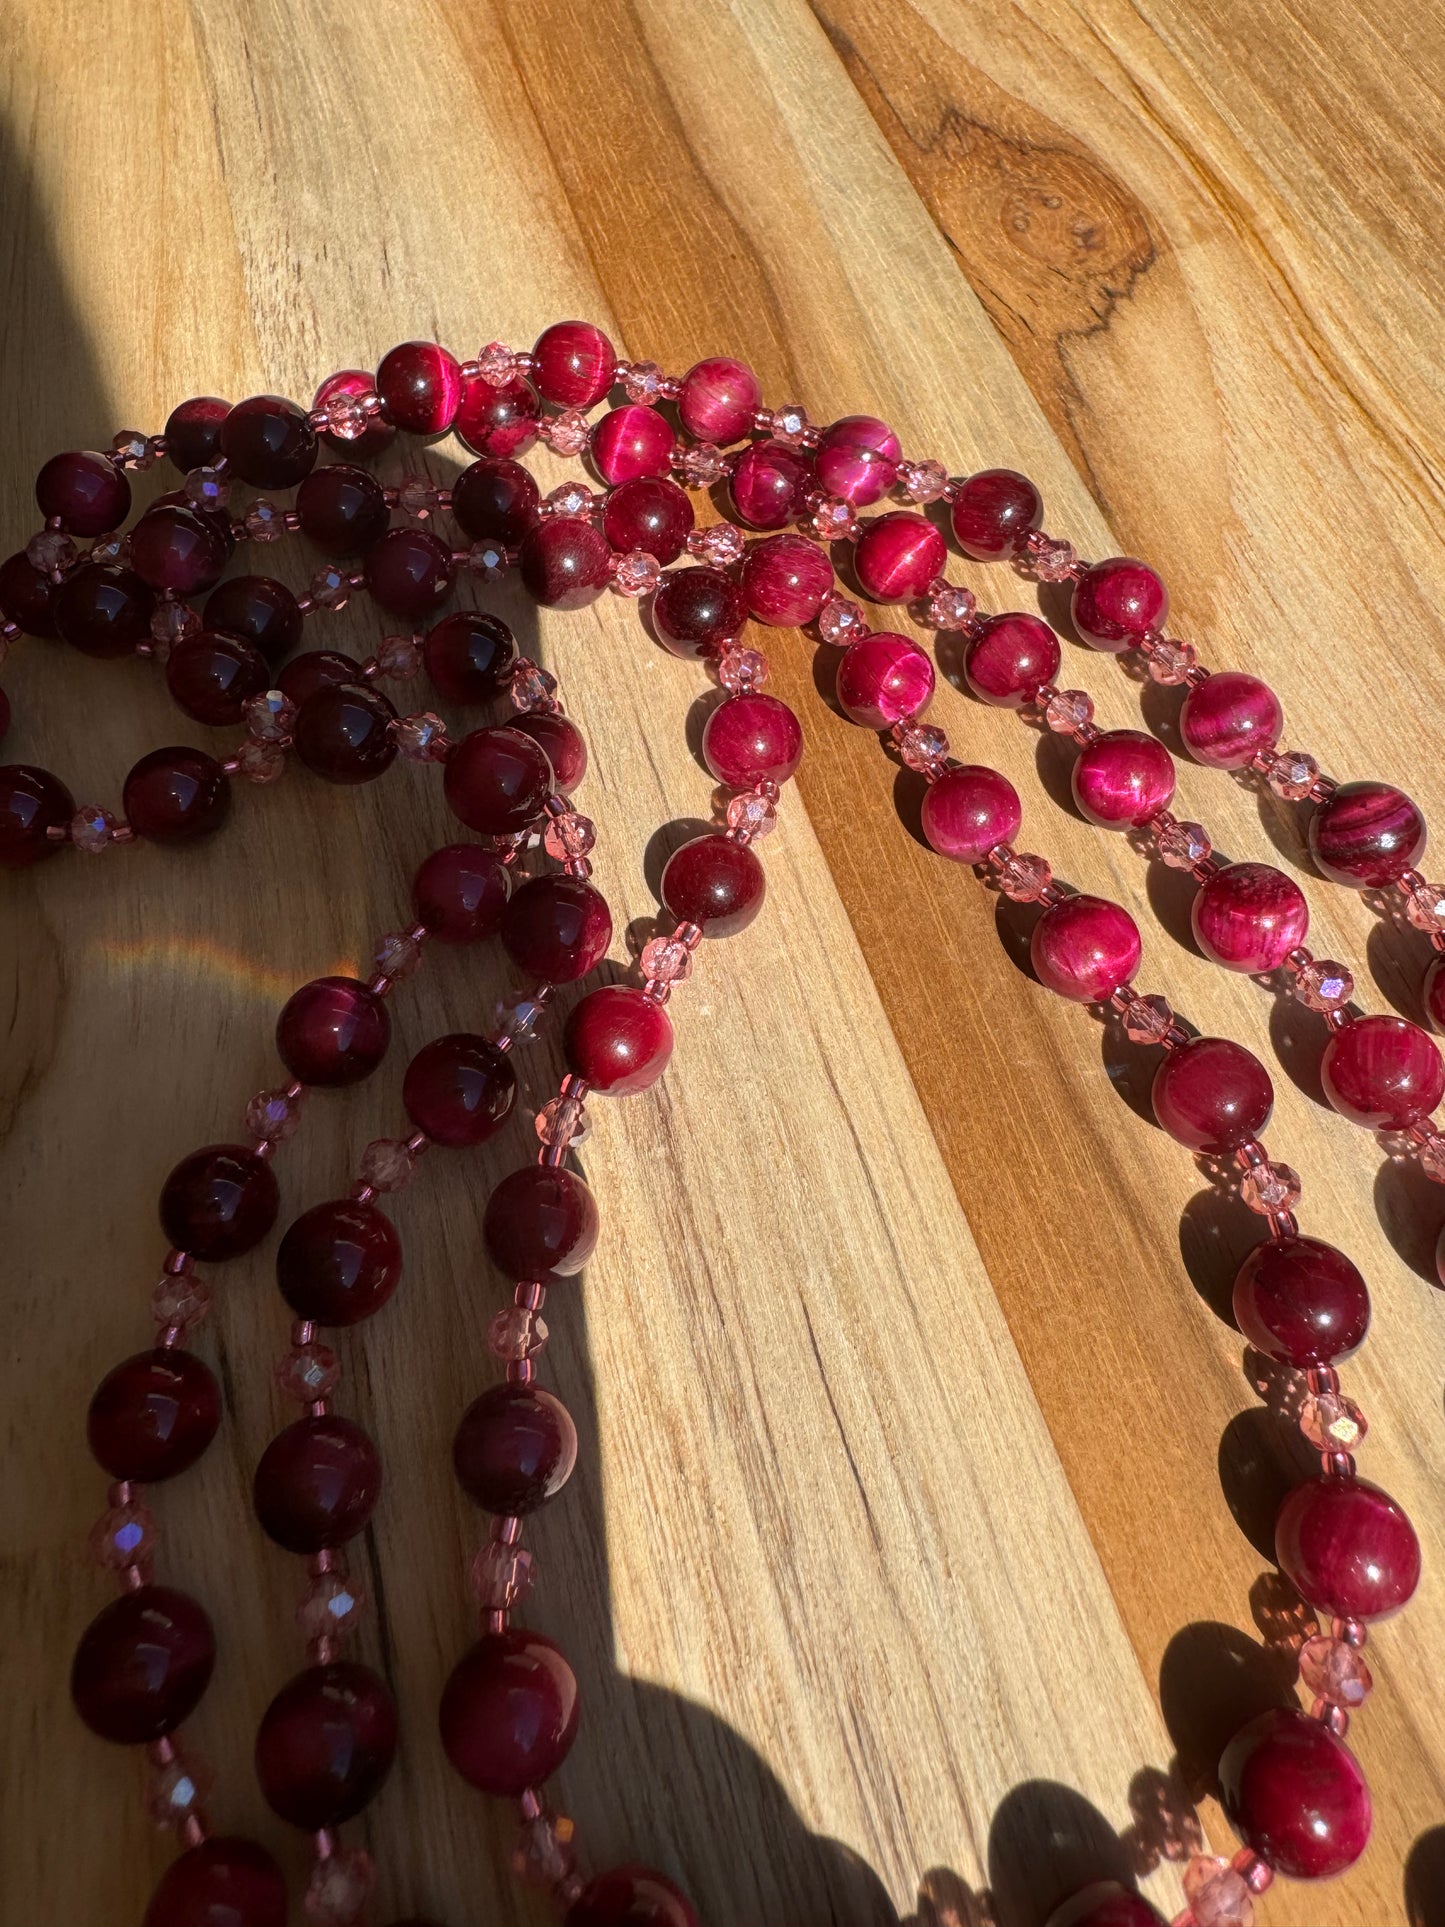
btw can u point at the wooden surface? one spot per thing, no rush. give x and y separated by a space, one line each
923 1500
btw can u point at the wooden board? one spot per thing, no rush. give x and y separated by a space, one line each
923 1500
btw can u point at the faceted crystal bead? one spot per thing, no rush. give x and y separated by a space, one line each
518 1014
396 955
532 687
49 551
1322 985
1170 662
308 1372
1147 1020
1024 878
110 550
331 1605
1425 907
92 829
133 448
387 1164
399 657
642 380
347 414
1182 845
753 813
172 622
517 1333
260 762
1270 1187
666 960
417 737
567 433
273 1116
416 497
1334 1670
569 836
637 573
177 1790
701 464
340 1887
124 1536
790 425
487 559
951 608
544 1855
1430 1151
1047 557
563 1121
180 1298
1068 710
502 1576
834 520
1292 774
572 499
330 587
923 481
922 746
207 488
269 716
1331 1422
719 545
1217 1895
841 622
496 364
264 521
742 669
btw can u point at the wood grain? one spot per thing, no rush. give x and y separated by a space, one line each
922 1500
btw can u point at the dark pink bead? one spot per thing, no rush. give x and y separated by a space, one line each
498 420
175 794
1085 948
618 1039
1229 718
1118 601
193 432
103 611
410 572
1382 1072
378 433
565 562
557 927
1295 1795
317 669
470 656
325 1744
1366 835
1212 1095
342 508
695 611
993 513
541 1222
969 810
648 513
1104 1903
514 1448
631 1897
32 801
459 893
211 676
1249 916
785 580
142 1665
269 442
496 500
719 398
421 385
767 484
84 491
260 611
343 733
1122 778
497 781
153 1415
219 1202
317 1483
563 742
752 739
332 1031
1009 658
26 596
1302 1302
898 556
339 1262
576 364
509 1712
857 459
224 1882
632 441
1347 1547
883 679
177 550
714 882
459 1089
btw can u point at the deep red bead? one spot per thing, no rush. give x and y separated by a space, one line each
269 442
1123 778
993 513
557 927
898 556
84 491
883 679
421 385
565 562
1366 835
1104 1903
142 1665
459 893
1347 1547
1249 916
316 669
1085 948
219 1202
649 513
631 1897
339 1262
378 433
317 1483
342 508
175 794
575 364
175 549
497 781
1302 1302
1229 718
103 611
968 811
540 1222
1295 1795
695 611
618 1039
212 675
260 611
459 1089
767 484
332 1031
496 500
714 882
1117 601
498 420
410 572
1009 658
785 580
1212 1095
752 739
193 432
343 733
326 1744
153 1415
857 459
32 801
27 596
470 656
562 742
224 1882
509 1712
1382 1072
630 441
719 398
514 1448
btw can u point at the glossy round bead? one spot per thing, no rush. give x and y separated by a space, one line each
695 611
565 562
153 1415
317 1483
541 1222
714 882
459 893
1212 1095
85 491
142 1665
561 741
332 1031
898 556
767 485
26 596
421 385
410 572
193 432
514 1449
618 1039
342 733
1104 1903
718 400
496 500
509 1712
557 927
1366 835
32 801
498 420
752 739
1122 778
269 442
459 1089
1302 1302
883 679
339 1262
785 580
1382 1072
103 611
175 794
1347 1547
317 669
631 1897
470 656
968 811
219 1201
223 1882
1117 601
993 513
648 513
575 364
1295 1795
857 459
326 1744
175 549
342 508
1229 718
497 781
260 611
1009 658
630 441
211 676
1249 916
1085 948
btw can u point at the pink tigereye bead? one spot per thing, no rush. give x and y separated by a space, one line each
857 459
970 810
1249 917
1229 718
785 581
1084 948
1118 601
718 400
1382 1072
884 679
1123 777
751 739
899 556
1348 1547
1295 1794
